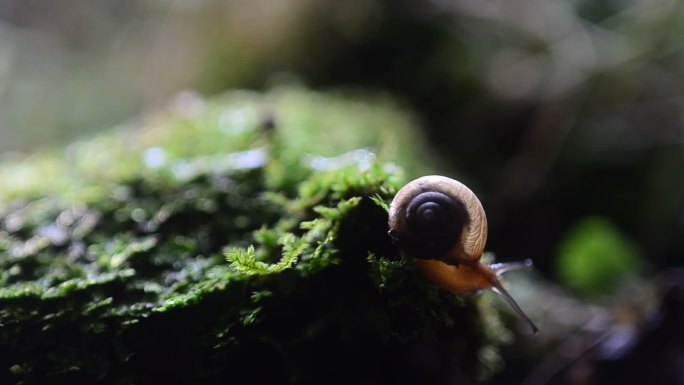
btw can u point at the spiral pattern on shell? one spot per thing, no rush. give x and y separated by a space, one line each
439 217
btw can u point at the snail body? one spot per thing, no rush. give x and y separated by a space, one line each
441 222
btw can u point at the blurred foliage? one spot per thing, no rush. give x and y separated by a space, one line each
532 103
167 145
596 258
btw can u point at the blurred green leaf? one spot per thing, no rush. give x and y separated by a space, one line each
595 257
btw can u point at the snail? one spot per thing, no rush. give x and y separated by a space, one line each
441 223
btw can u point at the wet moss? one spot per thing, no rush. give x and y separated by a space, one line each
239 239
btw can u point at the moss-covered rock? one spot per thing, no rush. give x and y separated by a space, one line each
241 239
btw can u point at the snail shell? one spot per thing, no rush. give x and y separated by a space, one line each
441 222
439 217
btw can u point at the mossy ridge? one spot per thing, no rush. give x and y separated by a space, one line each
194 135
107 287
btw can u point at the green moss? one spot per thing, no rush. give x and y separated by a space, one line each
213 240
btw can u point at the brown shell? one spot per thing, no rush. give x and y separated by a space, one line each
474 234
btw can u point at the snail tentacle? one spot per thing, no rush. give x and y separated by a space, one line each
499 289
500 268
